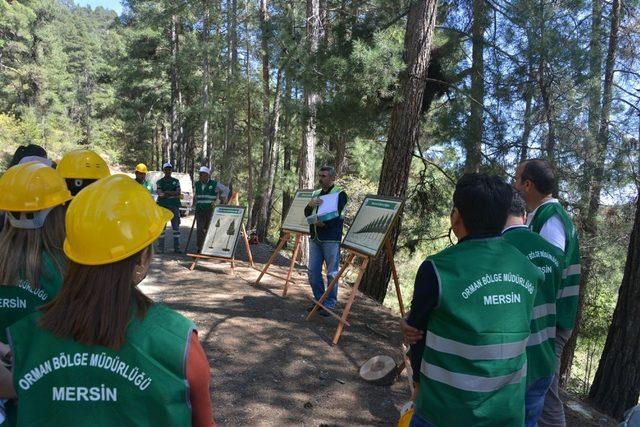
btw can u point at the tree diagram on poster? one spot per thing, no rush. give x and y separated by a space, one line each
371 224
224 231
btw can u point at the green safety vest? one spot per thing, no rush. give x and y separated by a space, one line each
206 195
316 193
474 363
334 235
64 383
541 355
171 184
567 297
16 301
146 184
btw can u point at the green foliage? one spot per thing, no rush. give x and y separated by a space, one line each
71 76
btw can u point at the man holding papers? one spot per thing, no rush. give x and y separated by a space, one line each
324 213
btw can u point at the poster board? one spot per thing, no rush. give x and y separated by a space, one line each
223 232
371 224
296 220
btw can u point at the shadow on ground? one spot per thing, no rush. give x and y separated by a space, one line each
269 365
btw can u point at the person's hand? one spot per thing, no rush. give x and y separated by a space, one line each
319 224
410 334
6 383
315 202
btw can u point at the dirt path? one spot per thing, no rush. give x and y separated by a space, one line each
270 366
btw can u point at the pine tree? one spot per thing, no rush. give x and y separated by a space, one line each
231 230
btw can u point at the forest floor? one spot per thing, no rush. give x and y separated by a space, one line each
271 367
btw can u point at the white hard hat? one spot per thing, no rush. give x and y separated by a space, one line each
204 169
167 165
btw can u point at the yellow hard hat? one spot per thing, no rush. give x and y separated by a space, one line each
111 220
405 418
83 164
142 168
32 187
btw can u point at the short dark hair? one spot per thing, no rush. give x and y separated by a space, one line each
27 151
518 206
482 201
330 169
541 174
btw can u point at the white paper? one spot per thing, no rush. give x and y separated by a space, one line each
329 204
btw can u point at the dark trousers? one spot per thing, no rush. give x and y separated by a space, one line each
203 219
175 226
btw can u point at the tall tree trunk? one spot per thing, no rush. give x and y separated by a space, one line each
545 91
232 72
311 101
528 100
250 196
595 106
266 96
591 225
404 130
287 171
587 223
268 178
307 156
175 123
616 386
473 142
341 153
206 70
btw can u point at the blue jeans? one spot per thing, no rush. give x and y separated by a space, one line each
320 252
534 400
418 421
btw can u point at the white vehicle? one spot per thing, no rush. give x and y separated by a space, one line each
186 187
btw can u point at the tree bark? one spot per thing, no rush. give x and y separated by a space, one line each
616 386
269 172
287 196
250 196
206 70
307 155
545 88
266 96
341 153
311 101
404 130
475 128
175 122
528 100
591 224
228 158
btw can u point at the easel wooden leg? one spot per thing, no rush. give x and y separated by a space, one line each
247 246
352 297
330 287
195 261
394 274
283 241
296 247
233 266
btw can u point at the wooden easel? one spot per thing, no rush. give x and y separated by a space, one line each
232 260
354 290
296 249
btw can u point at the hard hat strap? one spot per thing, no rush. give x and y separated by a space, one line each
28 220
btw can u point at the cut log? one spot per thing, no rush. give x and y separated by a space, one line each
379 370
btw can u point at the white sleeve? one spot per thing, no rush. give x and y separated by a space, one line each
553 232
223 189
